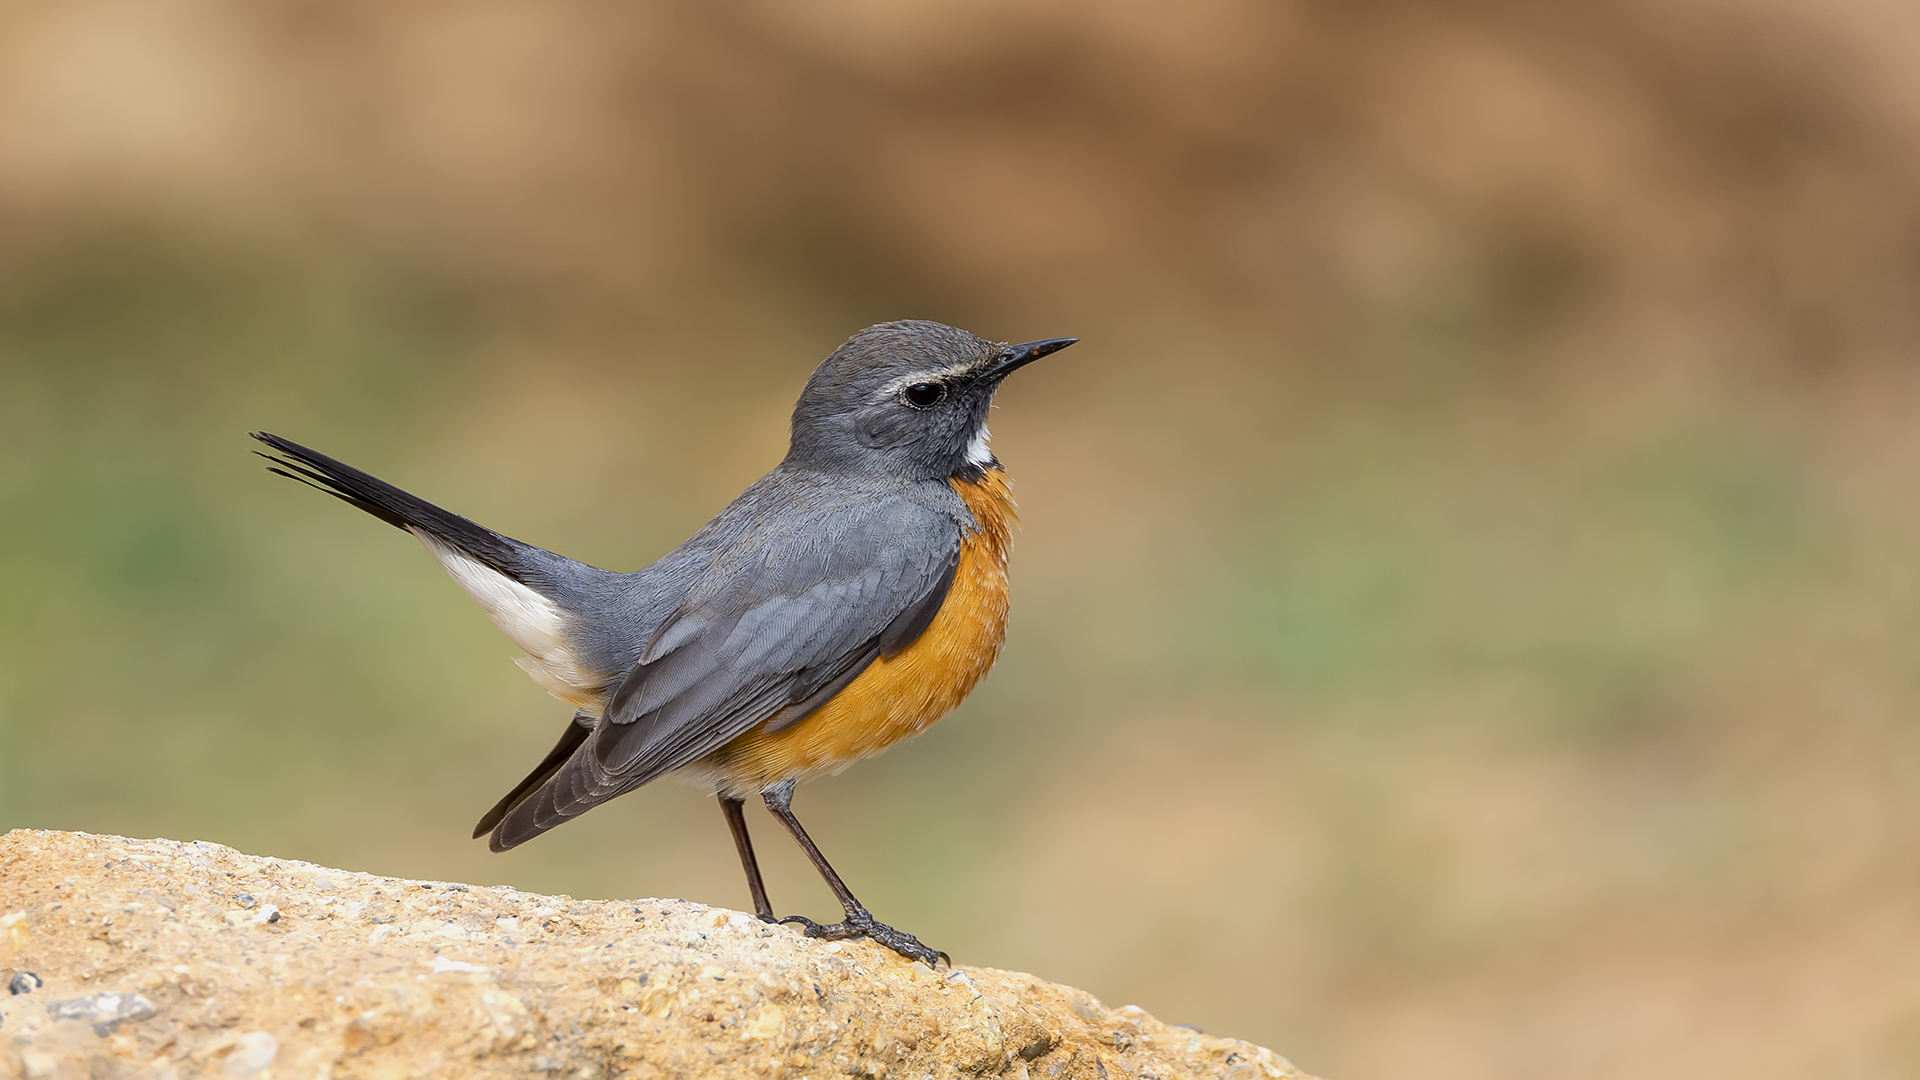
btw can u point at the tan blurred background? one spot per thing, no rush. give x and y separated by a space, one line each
1467 622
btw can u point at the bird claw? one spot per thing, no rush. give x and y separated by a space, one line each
863 925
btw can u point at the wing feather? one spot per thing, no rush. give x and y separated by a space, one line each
776 624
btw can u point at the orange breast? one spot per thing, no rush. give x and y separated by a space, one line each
899 696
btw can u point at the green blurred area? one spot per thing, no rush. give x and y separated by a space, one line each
1466 611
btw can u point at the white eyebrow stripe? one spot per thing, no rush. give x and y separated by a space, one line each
905 381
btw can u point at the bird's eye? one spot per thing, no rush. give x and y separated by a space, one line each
925 394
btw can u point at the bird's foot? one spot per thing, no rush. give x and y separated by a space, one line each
862 924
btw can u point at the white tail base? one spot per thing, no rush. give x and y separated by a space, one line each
529 620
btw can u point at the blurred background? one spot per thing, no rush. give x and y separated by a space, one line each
1467 620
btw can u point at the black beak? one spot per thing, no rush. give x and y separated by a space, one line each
1014 357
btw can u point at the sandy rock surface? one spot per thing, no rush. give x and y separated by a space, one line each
154 958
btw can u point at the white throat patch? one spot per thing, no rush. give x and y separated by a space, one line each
978 452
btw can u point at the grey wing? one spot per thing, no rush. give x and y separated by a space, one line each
774 627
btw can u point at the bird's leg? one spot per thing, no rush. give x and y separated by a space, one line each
737 821
859 921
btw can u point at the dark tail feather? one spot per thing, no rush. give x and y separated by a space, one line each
562 795
570 741
395 507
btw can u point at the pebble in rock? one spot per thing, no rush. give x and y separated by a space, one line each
105 1011
24 982
252 1053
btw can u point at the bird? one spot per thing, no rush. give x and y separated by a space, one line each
846 600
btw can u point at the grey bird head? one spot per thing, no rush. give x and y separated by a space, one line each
905 400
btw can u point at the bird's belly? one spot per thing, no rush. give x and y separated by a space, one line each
899 696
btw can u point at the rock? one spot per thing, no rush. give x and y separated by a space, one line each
175 960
